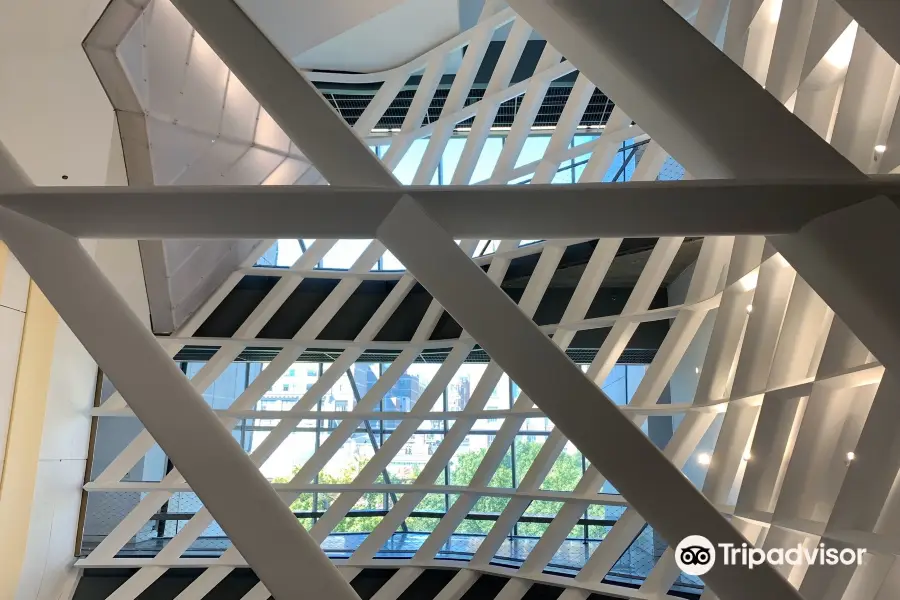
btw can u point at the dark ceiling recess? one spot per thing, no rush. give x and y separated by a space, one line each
350 319
100 583
351 100
369 581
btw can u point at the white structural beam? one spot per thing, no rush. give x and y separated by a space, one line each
695 102
511 338
839 248
546 375
186 428
695 105
880 18
472 212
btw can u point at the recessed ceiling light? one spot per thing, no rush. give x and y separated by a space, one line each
704 459
851 456
697 370
880 148
747 456
749 308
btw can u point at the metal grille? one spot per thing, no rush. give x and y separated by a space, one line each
351 104
631 356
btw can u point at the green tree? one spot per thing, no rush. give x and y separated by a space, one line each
463 472
563 476
347 474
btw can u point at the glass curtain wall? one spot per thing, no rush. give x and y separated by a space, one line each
356 442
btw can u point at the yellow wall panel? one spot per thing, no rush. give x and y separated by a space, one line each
23 445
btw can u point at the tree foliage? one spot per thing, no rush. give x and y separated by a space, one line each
563 476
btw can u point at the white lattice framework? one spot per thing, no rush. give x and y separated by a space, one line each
784 374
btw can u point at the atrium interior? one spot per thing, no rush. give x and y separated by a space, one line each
448 299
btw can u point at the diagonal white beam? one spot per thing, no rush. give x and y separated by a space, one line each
528 109
323 454
546 374
201 520
467 212
694 104
484 118
203 450
881 19
495 321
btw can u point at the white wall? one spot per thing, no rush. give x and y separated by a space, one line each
56 121
60 471
13 301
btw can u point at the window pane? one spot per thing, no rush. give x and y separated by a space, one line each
467 458
671 171
502 477
533 149
451 156
615 385
564 175
283 253
543 508
536 424
292 454
491 505
566 471
499 398
344 254
227 386
487 160
527 449
614 167
463 384
583 139
406 169
407 465
389 262
431 503
280 397
635 373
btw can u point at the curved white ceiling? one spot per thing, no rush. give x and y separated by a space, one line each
329 35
